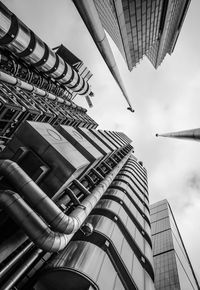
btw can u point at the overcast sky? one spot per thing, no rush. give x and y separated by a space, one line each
167 99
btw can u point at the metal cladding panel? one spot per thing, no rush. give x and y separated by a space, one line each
118 244
122 138
112 135
103 139
109 228
81 143
107 136
67 55
94 140
118 137
64 160
80 264
115 140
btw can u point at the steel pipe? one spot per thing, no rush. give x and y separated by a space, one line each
20 40
4 77
11 80
89 14
10 64
35 197
21 270
39 201
36 228
6 269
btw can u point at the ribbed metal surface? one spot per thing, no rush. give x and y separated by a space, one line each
39 203
19 39
121 234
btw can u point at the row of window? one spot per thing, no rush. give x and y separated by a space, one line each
140 23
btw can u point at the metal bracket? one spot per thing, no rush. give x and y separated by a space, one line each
101 177
81 187
72 196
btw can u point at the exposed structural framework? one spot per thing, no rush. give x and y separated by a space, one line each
173 269
193 134
79 201
138 28
36 83
20 101
27 57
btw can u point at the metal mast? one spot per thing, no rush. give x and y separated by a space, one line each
192 134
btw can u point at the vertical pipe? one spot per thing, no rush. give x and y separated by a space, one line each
89 14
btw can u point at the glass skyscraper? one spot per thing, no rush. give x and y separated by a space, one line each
173 269
138 28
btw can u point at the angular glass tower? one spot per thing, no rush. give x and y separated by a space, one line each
173 269
138 28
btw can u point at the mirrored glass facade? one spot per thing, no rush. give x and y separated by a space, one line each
143 27
173 269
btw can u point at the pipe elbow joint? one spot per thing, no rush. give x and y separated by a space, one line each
5 164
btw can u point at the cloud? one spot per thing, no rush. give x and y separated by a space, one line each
193 182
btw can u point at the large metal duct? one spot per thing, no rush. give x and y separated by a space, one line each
20 40
12 65
35 227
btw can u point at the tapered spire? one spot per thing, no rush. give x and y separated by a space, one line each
193 134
